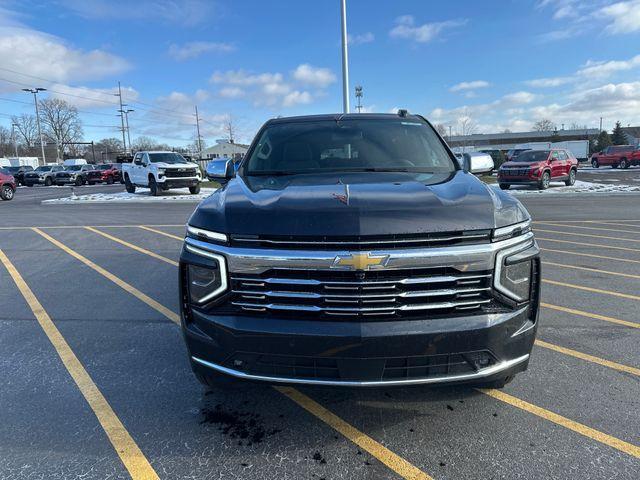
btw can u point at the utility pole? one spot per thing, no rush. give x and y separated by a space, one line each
359 97
126 119
119 95
15 142
600 123
345 58
449 132
198 132
35 101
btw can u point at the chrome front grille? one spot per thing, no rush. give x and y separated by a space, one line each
421 292
182 173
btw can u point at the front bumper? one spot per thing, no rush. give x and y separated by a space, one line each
167 183
33 180
518 180
352 352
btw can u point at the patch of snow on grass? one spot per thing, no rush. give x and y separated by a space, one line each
141 196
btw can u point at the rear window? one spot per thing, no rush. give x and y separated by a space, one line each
325 146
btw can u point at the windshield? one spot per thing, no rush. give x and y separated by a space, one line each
73 168
12 169
533 156
169 157
43 169
5 171
349 146
103 167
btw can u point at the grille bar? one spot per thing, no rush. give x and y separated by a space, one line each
405 281
415 294
434 239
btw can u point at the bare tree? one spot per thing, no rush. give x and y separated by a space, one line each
506 130
544 125
60 122
145 143
441 129
26 130
6 142
577 126
466 125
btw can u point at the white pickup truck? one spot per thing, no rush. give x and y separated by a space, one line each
161 171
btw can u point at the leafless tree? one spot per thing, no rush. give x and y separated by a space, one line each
60 122
544 125
577 126
6 142
146 143
26 130
506 130
466 125
441 129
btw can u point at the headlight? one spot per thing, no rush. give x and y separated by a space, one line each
513 271
206 235
161 171
514 230
206 283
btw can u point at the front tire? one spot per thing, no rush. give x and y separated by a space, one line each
572 178
194 190
624 163
6 193
504 186
544 181
130 187
48 182
109 180
78 182
153 186
594 163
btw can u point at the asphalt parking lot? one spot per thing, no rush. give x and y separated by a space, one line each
96 382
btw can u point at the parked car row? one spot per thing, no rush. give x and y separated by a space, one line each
71 174
7 184
615 156
539 168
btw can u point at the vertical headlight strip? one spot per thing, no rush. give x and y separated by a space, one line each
206 283
512 276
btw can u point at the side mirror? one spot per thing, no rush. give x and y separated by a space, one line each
478 164
220 170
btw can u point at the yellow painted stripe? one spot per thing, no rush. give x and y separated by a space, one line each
620 224
125 446
396 463
591 255
588 269
590 315
589 358
175 237
587 228
588 432
594 290
110 276
598 245
48 227
584 221
573 234
133 247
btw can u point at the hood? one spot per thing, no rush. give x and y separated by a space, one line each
357 204
517 164
175 165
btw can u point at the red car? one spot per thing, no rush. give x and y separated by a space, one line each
108 173
7 185
622 156
539 168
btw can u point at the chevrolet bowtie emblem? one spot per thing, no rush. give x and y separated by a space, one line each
360 261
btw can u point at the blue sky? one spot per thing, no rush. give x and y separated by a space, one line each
501 64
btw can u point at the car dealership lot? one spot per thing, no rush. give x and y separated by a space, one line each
124 403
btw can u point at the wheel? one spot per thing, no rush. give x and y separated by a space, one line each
615 165
572 178
130 187
48 182
6 193
60 184
500 383
109 180
504 186
623 163
92 183
30 185
153 186
194 190
594 163
544 181
78 181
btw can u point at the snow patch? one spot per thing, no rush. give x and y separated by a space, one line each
579 187
141 196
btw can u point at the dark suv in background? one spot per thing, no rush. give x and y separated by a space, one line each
18 172
42 175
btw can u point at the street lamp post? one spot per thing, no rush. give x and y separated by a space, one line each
126 120
359 97
345 58
35 101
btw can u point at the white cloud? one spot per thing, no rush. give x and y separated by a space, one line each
549 82
231 92
317 77
623 17
517 98
192 50
406 28
296 98
184 12
605 69
473 85
361 38
240 77
85 97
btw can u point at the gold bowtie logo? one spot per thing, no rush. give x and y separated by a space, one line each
360 261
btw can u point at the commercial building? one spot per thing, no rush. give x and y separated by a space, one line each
225 148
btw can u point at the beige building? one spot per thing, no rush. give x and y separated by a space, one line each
225 148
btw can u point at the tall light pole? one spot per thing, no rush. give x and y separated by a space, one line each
345 58
199 139
15 142
35 101
359 97
119 95
126 120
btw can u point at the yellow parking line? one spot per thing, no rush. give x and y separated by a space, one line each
110 276
125 446
589 358
590 315
175 237
621 224
133 247
590 289
588 235
588 432
584 221
604 257
606 247
588 269
48 227
379 451
551 224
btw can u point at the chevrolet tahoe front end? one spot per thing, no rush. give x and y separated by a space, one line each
358 274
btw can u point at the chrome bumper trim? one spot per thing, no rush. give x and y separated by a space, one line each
486 372
465 258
